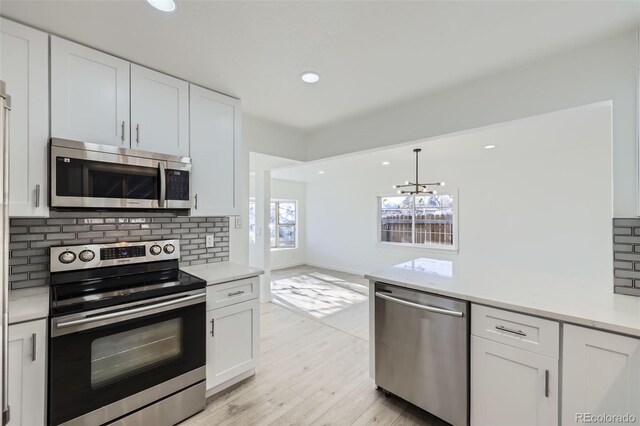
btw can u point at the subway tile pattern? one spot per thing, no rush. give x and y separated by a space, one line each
30 239
626 256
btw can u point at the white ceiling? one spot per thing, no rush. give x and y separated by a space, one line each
511 148
369 54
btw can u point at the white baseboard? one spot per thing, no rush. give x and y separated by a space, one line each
288 265
335 268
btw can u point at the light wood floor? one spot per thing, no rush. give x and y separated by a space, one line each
337 299
309 373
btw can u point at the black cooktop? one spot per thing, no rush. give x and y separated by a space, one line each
84 290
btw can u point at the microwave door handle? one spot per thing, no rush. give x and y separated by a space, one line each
163 185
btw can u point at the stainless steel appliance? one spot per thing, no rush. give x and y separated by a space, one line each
127 335
87 175
5 106
422 350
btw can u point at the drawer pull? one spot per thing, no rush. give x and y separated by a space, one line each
235 293
510 330
213 327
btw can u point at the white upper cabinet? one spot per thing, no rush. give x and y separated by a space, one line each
159 112
89 94
215 152
24 68
601 375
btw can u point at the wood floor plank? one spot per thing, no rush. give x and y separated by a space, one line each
384 411
347 410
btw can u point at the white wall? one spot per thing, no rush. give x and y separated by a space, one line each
541 200
259 136
267 137
289 190
605 70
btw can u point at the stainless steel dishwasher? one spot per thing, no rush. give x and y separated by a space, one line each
422 350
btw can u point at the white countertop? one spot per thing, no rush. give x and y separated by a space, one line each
28 304
216 273
557 297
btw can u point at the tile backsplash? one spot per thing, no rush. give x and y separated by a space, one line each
626 256
30 239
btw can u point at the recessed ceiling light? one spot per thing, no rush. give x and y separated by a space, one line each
252 173
310 77
321 172
385 163
489 146
163 5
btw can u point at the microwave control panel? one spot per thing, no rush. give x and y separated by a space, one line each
177 185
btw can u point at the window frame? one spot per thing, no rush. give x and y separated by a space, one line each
277 225
453 248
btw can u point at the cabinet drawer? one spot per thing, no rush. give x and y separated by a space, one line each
231 292
521 331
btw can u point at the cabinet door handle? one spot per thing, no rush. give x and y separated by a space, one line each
213 327
38 195
546 383
122 131
510 330
235 293
137 133
33 347
196 201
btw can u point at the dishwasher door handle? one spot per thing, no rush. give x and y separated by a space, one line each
419 306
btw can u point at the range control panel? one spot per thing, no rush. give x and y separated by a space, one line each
70 258
122 252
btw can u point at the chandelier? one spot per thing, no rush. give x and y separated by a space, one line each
417 187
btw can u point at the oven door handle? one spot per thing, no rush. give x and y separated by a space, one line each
163 185
148 310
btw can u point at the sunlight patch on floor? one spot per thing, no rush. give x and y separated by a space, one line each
317 294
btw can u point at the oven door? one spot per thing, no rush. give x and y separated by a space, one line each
108 363
91 179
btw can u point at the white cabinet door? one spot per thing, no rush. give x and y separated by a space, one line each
511 386
232 341
601 375
24 68
89 95
159 112
215 152
27 374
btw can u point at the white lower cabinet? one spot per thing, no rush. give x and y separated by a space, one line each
514 368
27 373
511 386
232 341
601 376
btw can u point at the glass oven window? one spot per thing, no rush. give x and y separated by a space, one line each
119 355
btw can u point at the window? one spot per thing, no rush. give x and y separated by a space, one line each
283 224
421 220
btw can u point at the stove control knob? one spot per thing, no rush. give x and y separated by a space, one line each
155 249
67 257
87 255
169 248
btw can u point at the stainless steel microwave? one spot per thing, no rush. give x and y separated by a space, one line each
87 175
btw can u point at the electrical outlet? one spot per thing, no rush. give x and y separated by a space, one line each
209 243
238 222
